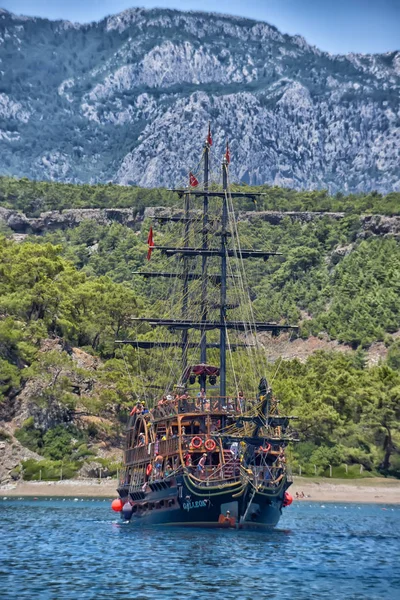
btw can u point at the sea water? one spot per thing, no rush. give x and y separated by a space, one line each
72 549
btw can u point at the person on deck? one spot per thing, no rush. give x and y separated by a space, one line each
201 464
234 449
158 463
241 402
201 399
136 409
229 405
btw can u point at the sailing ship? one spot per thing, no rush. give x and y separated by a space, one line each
207 453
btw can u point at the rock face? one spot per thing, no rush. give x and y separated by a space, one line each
128 100
52 220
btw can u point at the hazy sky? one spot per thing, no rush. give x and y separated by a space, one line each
337 26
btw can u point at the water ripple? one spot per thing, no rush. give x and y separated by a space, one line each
55 549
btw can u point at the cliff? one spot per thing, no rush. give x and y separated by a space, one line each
128 100
48 221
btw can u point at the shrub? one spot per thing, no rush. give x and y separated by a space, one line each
50 470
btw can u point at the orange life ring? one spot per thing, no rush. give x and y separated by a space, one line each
265 449
196 442
210 445
149 469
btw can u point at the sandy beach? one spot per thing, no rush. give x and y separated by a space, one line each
374 490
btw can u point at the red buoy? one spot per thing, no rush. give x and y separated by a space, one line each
117 505
287 499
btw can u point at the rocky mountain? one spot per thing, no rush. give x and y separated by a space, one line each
128 100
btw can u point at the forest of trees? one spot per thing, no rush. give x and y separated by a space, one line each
33 197
76 286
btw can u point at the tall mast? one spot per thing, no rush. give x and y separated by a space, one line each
224 236
202 323
185 290
204 274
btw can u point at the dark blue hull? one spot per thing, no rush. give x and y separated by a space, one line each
184 503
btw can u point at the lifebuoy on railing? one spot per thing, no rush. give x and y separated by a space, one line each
149 470
196 442
265 449
210 445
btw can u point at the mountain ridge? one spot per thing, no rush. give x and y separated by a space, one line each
127 99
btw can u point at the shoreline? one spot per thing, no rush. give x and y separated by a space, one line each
361 491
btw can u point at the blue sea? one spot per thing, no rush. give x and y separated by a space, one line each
70 549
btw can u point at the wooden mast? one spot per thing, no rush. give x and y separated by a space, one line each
204 274
223 307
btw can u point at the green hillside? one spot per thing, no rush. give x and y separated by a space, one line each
73 291
32 197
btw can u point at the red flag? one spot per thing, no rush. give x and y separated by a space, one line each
227 154
209 138
150 242
193 182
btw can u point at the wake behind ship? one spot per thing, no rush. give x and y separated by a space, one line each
211 450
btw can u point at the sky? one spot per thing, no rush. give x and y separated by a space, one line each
336 26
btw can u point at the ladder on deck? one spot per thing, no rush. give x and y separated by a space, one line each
231 465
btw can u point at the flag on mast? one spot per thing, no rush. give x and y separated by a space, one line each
193 182
209 138
227 154
150 242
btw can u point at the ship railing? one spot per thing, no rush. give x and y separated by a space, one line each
212 475
168 447
139 454
148 451
222 404
268 476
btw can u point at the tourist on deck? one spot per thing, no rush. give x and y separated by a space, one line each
267 475
188 460
234 449
158 463
281 458
141 439
201 464
241 402
201 400
136 409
